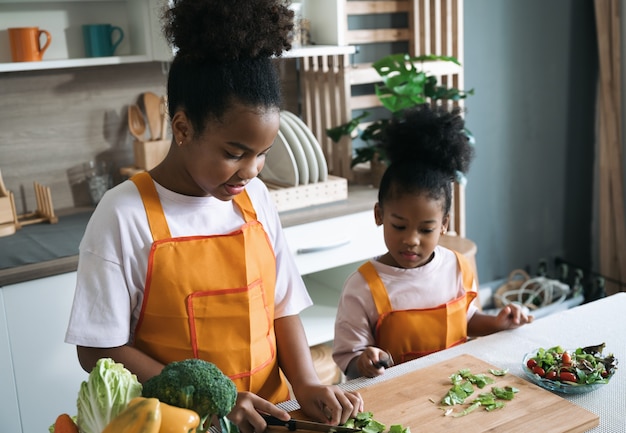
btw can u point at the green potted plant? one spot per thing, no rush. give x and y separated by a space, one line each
403 86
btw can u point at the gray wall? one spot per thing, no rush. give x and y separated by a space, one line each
533 65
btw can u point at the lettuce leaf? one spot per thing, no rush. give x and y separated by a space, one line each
105 394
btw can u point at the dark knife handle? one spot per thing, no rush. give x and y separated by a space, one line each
272 420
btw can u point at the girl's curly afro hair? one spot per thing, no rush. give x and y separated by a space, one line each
228 30
426 147
224 55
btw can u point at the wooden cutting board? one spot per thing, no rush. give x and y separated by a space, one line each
409 400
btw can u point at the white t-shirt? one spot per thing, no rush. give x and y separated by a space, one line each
433 284
113 257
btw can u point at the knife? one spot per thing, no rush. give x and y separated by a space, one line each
296 424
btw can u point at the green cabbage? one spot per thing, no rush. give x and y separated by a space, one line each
105 394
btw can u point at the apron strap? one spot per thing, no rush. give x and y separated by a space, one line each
467 272
381 297
245 206
154 210
379 293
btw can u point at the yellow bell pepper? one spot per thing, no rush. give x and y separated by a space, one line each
178 420
142 415
149 415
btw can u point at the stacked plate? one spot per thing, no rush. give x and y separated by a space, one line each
296 158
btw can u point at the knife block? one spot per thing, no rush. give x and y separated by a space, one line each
148 154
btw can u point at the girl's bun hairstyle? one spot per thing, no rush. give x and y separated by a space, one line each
427 146
224 52
228 30
429 136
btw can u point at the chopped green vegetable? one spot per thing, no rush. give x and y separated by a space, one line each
366 422
469 409
458 393
506 393
480 380
397 428
462 388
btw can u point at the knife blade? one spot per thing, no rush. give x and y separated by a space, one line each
296 424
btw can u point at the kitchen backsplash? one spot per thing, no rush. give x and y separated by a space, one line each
53 121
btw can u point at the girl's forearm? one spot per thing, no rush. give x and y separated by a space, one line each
137 362
294 354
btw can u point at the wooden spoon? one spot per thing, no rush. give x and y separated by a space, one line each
152 106
136 122
164 117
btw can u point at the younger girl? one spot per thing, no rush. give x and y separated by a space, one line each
417 298
189 260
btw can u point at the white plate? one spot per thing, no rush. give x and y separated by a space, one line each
317 147
298 152
306 146
280 164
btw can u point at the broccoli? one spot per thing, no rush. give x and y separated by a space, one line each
197 385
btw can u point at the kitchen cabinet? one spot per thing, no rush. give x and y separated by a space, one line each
43 372
139 19
64 19
9 409
338 246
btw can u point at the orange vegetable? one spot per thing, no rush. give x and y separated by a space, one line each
65 424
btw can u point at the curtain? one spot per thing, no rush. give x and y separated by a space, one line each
609 147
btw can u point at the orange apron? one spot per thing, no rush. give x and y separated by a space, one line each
212 297
410 334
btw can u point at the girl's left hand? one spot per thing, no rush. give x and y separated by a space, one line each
329 404
513 316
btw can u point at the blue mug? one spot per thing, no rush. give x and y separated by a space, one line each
99 39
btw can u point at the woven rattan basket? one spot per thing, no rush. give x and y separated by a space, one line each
515 281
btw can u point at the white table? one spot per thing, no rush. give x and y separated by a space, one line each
589 324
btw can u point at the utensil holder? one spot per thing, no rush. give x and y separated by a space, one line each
148 154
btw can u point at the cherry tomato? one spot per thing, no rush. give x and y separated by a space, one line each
551 375
566 358
568 377
538 370
605 373
531 363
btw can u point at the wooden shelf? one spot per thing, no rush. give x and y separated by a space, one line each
64 20
71 63
318 50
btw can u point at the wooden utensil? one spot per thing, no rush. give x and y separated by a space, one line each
164 117
136 122
152 108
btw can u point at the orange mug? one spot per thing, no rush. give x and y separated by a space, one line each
26 43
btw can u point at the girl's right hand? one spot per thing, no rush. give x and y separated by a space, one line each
373 361
245 415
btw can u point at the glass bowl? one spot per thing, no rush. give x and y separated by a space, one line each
554 385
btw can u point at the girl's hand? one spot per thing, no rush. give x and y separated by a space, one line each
245 415
513 316
329 404
373 361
